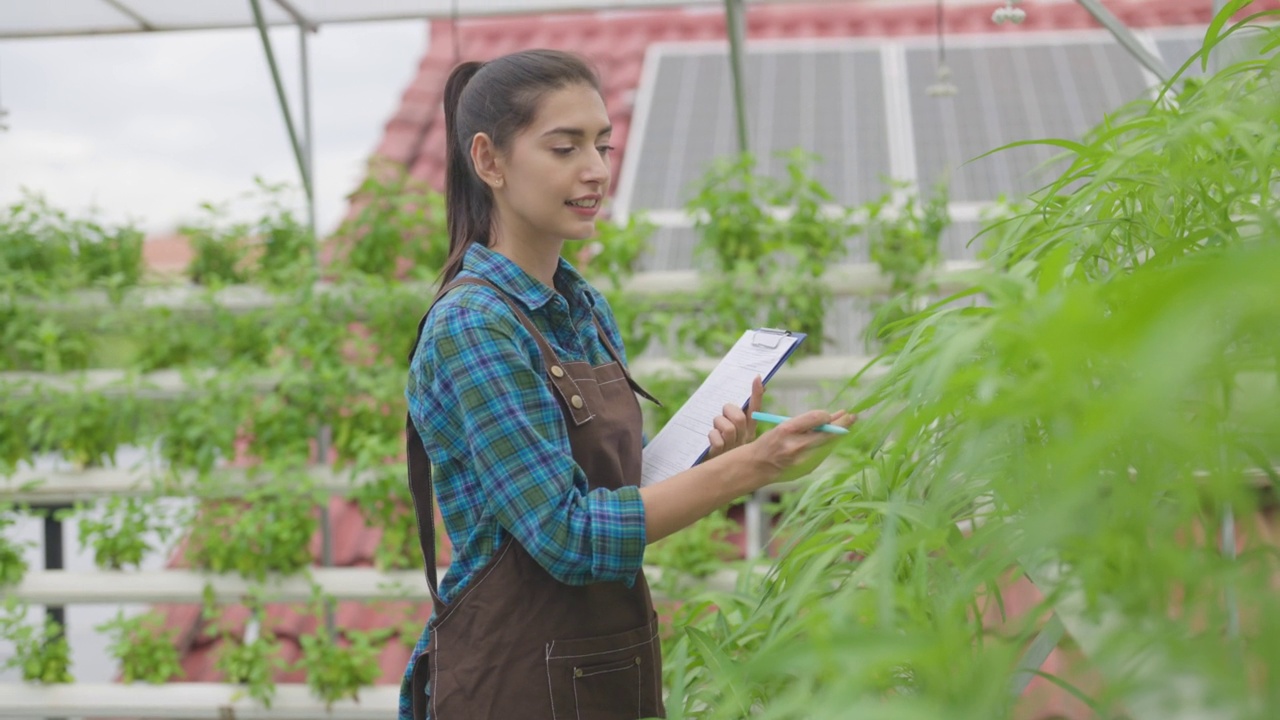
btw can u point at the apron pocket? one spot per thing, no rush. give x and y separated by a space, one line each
613 677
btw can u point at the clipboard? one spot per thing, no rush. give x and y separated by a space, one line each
682 442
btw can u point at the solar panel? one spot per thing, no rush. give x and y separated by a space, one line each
1176 47
1006 93
828 102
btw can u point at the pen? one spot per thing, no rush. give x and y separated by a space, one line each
771 418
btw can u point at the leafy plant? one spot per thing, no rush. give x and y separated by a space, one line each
398 229
13 563
769 242
269 531
44 249
221 248
120 535
693 553
335 671
903 233
40 650
1089 426
385 503
146 651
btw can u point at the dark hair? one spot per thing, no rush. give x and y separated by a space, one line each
499 98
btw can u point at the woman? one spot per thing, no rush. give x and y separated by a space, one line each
519 394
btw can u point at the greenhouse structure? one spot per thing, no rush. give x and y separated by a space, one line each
1033 244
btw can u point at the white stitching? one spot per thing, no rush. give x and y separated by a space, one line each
550 690
610 650
506 546
628 664
577 709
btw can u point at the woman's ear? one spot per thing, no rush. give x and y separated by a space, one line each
486 160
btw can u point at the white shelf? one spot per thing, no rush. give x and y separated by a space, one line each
61 587
844 279
49 487
188 701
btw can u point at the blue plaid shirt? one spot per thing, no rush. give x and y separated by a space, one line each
496 436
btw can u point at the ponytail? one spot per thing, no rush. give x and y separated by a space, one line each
468 202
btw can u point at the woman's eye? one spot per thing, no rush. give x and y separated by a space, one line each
562 150
604 149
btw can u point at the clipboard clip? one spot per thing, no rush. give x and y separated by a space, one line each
769 337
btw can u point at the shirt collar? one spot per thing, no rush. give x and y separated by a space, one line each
501 271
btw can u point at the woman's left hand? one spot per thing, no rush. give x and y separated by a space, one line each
736 427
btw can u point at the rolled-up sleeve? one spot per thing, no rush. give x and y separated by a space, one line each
513 430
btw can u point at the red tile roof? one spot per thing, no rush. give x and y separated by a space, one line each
617 42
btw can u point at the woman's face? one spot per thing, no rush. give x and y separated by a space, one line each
556 172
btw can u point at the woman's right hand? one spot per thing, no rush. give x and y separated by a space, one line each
794 447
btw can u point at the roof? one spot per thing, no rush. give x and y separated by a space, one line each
617 42
114 17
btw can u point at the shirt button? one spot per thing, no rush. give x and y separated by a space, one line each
576 401
557 371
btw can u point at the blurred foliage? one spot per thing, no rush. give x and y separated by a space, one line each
1090 424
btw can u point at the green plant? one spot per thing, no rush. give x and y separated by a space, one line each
903 233
40 651
49 346
769 242
287 250
44 249
1089 426
334 669
385 503
119 536
693 553
221 248
269 531
398 229
13 563
146 651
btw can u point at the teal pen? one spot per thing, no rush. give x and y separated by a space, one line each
771 418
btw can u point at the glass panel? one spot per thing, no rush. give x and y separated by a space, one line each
19 18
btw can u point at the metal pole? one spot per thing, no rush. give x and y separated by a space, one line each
261 22
310 145
54 556
735 19
1126 38
54 559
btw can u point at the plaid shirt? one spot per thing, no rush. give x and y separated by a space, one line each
496 436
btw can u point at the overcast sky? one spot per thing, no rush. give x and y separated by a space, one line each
149 126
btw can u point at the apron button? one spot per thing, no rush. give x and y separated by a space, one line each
577 672
637 659
557 371
576 401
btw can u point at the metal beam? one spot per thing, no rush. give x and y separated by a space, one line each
1126 38
302 20
298 155
735 28
132 15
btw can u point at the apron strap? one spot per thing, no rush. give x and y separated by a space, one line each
617 357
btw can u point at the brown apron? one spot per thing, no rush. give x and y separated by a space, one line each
517 643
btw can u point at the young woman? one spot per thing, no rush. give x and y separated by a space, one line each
519 395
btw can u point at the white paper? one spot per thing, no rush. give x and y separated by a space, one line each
683 440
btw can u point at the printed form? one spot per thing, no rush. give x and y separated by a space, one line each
683 440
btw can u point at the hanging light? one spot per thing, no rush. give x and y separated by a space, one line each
1009 13
943 87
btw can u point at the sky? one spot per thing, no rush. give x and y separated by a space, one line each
145 128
